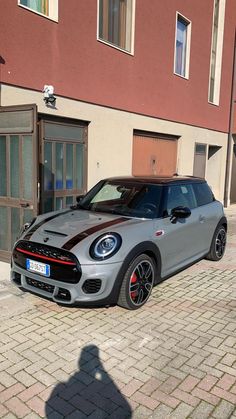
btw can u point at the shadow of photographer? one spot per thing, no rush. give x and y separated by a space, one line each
90 391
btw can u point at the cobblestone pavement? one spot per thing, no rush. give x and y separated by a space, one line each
174 358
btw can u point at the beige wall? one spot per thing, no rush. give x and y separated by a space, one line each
110 136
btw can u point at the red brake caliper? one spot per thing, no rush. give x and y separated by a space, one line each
134 279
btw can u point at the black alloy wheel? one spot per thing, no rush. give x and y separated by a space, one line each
138 282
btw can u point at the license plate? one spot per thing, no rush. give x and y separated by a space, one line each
38 267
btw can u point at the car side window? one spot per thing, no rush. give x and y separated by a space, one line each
203 194
180 195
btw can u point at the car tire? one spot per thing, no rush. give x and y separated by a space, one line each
218 244
137 283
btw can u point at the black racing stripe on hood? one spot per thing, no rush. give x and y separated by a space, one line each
37 226
81 236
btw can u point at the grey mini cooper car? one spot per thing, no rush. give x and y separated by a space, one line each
122 238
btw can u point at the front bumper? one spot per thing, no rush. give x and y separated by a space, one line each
97 284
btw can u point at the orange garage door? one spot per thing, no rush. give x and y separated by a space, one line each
154 155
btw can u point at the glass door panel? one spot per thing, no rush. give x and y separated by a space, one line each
27 167
59 203
3 166
48 171
3 229
79 165
59 166
63 165
14 166
69 166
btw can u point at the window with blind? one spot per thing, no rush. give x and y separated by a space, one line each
48 8
115 24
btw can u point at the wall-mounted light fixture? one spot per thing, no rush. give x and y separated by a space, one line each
48 95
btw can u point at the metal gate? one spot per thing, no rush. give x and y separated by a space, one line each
18 172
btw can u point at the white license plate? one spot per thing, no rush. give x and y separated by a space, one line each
38 267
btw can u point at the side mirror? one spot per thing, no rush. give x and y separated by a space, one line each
79 198
179 212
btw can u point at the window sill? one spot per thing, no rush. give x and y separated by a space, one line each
182 77
54 19
109 44
213 103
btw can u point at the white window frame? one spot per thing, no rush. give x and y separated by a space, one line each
131 52
219 53
188 42
53 10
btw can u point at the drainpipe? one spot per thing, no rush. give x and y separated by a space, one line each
230 133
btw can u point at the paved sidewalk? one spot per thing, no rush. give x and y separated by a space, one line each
174 358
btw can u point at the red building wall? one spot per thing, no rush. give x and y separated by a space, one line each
38 51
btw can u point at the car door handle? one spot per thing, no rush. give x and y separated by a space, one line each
202 219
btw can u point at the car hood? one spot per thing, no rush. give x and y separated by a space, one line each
66 229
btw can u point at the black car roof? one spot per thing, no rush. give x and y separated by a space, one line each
158 179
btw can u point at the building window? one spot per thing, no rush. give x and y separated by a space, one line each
116 23
47 8
182 46
216 51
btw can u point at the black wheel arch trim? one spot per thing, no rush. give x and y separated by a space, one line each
223 221
145 247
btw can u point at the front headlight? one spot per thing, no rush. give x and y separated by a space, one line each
25 227
105 246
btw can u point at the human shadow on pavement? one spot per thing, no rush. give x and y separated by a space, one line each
90 391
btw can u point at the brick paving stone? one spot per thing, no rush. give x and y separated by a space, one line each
10 416
169 385
182 411
189 383
165 398
185 397
144 400
32 416
149 387
31 391
207 382
25 378
226 381
205 395
203 411
6 379
11 391
161 412
37 405
17 407
223 394
3 410
224 410
132 387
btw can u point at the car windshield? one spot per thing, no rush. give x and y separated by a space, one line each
131 199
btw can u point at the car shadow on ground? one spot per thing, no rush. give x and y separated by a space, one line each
89 391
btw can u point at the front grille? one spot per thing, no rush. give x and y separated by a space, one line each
64 266
47 251
40 285
91 286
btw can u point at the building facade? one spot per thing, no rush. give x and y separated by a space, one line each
135 87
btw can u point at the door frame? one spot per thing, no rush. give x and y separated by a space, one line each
21 202
44 118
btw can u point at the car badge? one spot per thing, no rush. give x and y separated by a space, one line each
159 233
